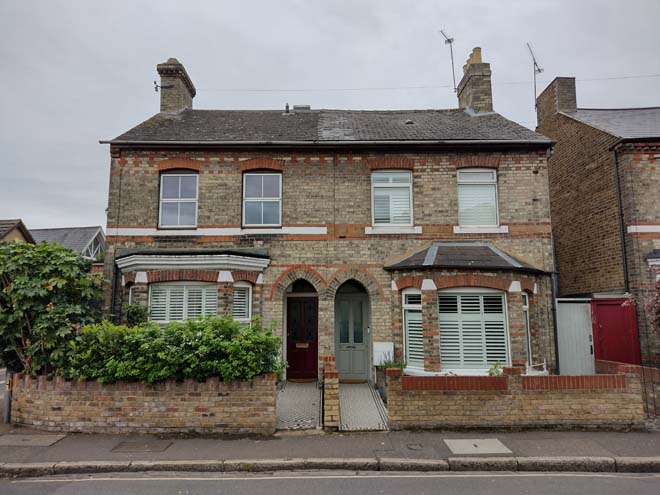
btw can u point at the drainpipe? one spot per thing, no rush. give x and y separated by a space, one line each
8 386
622 230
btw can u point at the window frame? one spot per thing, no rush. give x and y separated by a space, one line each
405 307
279 200
249 302
478 291
391 185
178 200
464 183
186 285
528 327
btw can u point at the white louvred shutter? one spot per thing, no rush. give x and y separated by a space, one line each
176 303
241 308
381 206
450 331
414 339
194 302
210 301
399 205
495 330
477 204
158 304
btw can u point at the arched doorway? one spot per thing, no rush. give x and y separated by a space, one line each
352 332
302 331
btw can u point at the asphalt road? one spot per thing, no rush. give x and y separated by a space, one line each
329 483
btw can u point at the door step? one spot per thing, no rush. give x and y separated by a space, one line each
361 408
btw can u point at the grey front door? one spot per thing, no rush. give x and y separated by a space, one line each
351 331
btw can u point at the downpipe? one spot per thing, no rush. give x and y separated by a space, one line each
6 419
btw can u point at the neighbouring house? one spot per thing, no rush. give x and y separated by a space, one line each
89 242
605 197
419 235
14 230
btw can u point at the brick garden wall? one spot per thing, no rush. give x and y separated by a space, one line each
597 401
188 406
649 379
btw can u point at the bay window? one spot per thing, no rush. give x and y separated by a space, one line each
412 322
242 303
179 301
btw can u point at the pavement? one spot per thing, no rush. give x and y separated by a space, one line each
26 452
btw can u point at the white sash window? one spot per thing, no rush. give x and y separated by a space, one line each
412 322
473 329
391 198
242 304
176 301
262 199
477 198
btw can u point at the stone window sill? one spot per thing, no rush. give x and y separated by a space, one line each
502 229
392 230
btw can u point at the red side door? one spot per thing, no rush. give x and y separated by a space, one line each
302 338
615 331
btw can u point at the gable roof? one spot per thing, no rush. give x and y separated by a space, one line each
476 255
626 123
74 238
6 226
327 127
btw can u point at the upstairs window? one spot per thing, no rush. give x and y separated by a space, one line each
391 198
178 200
175 301
412 321
262 199
477 198
242 305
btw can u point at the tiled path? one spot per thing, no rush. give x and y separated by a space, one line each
299 406
361 408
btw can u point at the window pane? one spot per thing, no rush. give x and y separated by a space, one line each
477 204
400 177
240 309
476 176
169 214
253 186
343 322
400 205
253 213
271 186
358 331
170 187
381 206
271 211
414 338
187 213
189 187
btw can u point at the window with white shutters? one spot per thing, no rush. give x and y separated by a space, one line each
477 198
391 198
181 301
473 330
242 305
412 319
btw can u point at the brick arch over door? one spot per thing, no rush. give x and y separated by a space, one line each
471 280
307 273
366 279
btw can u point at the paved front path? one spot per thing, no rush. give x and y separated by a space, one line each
393 444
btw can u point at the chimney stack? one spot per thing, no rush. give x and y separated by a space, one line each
176 89
474 90
558 97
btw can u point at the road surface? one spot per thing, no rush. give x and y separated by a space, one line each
337 482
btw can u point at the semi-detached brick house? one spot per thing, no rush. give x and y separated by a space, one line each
605 196
422 233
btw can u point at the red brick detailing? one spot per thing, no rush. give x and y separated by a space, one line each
129 278
623 368
471 280
245 276
527 285
177 275
552 382
454 383
178 163
363 277
513 370
477 161
392 164
293 273
262 164
409 281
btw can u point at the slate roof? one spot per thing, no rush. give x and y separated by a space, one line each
6 226
626 123
327 126
74 238
476 255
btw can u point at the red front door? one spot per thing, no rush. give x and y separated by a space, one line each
301 337
615 331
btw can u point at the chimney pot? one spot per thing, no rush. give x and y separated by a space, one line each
176 88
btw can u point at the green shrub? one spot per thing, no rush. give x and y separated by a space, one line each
136 314
194 349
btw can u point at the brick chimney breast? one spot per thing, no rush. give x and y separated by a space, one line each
176 88
474 91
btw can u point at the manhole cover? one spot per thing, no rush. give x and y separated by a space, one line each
477 446
415 446
29 440
149 446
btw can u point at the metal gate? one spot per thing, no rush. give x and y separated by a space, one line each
574 337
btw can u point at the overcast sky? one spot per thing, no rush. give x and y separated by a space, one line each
74 72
